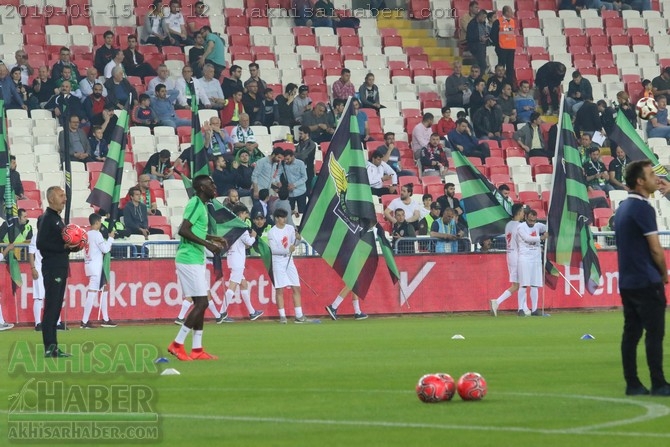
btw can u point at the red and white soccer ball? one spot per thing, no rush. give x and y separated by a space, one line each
471 386
431 389
647 108
450 384
74 234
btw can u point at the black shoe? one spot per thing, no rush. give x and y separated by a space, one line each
56 353
537 313
661 390
86 325
61 326
108 323
38 327
639 390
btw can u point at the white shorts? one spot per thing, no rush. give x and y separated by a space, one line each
512 267
284 272
38 287
94 282
237 274
530 272
193 279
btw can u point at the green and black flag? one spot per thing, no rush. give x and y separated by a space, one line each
635 148
11 210
570 240
340 222
107 191
486 216
198 162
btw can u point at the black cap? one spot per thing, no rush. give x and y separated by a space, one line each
258 214
303 88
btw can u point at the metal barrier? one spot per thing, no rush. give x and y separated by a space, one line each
426 244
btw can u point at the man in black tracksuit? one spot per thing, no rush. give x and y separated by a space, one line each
55 263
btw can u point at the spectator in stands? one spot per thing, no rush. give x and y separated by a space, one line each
216 139
524 103
404 202
587 118
243 135
159 166
117 61
456 88
296 175
285 105
617 170
434 157
232 83
94 104
477 98
135 216
658 126
327 17
402 229
380 172
302 103
147 196
368 93
391 155
164 111
233 108
254 75
66 75
64 61
66 102
503 36
198 20
15 179
597 176
163 77
232 199
175 26
461 138
338 109
449 199
190 88
578 89
421 134
215 53
639 5
225 177
119 90
446 124
109 120
305 150
530 138
495 83
143 114
585 147
465 19
43 89
321 124
23 64
343 88
363 122
647 89
262 205
99 147
548 80
477 36
252 100
623 104
78 146
572 5
446 229
194 53
212 89
105 53
488 120
12 97
24 91
426 222
426 199
244 172
507 105
86 84
473 77
268 115
133 60
266 175
503 198
154 27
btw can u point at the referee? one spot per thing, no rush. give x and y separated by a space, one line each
55 262
642 275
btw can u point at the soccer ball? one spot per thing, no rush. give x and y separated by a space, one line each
73 234
471 386
450 384
431 389
84 241
647 108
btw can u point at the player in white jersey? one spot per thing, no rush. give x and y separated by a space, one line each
236 259
283 239
512 260
4 326
529 236
95 250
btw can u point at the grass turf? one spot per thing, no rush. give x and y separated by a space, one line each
352 382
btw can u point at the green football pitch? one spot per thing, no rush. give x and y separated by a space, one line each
351 383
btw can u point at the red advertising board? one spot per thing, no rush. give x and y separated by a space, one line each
148 289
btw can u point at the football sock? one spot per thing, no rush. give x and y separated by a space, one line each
506 294
246 297
282 312
88 305
59 320
337 302
185 306
212 308
357 306
298 312
197 340
533 298
2 319
103 305
181 335
227 299
522 298
37 311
